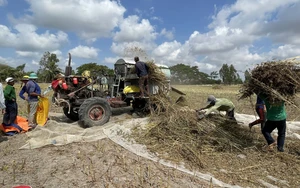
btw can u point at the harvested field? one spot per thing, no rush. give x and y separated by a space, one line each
230 152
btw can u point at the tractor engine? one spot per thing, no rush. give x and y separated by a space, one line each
66 85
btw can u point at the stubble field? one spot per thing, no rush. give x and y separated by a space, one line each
106 164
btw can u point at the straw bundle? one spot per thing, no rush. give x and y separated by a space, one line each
278 80
155 74
176 134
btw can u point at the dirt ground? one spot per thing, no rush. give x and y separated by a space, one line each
105 164
95 164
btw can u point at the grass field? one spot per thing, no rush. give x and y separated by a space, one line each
196 96
99 163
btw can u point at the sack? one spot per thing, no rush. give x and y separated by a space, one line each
42 111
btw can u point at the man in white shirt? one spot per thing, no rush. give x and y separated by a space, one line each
2 103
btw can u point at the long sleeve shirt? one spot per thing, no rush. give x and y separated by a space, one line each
221 104
9 93
32 86
2 103
22 92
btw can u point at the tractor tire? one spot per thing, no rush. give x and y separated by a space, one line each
72 115
94 112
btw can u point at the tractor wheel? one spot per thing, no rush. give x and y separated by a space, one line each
94 112
72 115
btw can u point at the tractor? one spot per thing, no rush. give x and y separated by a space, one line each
83 101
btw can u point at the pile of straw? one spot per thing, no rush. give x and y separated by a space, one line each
155 74
176 134
278 80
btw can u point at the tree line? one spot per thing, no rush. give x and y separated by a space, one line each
185 74
181 73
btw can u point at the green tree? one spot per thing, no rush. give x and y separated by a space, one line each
48 67
214 75
185 74
229 75
224 73
8 71
233 75
96 70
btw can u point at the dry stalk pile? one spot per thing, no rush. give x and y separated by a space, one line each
175 134
279 80
155 75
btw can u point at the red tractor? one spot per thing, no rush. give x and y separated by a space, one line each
82 100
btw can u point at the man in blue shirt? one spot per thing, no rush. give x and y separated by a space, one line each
142 73
23 90
34 91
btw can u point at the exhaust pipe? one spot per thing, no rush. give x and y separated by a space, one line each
68 70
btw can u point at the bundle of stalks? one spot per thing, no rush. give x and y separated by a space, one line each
176 134
155 74
278 80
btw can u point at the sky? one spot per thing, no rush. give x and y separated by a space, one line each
203 33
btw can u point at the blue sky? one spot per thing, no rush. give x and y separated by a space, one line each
199 33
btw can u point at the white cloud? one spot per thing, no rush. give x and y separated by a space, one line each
35 62
241 58
11 61
133 30
29 54
155 18
284 51
85 52
111 60
151 10
168 34
25 38
3 2
221 39
166 49
89 19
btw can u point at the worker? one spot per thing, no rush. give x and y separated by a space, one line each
260 109
11 111
219 104
24 80
142 73
276 119
34 91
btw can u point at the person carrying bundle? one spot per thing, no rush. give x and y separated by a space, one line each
260 109
276 119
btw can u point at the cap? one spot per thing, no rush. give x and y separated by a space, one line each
9 79
211 98
25 78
